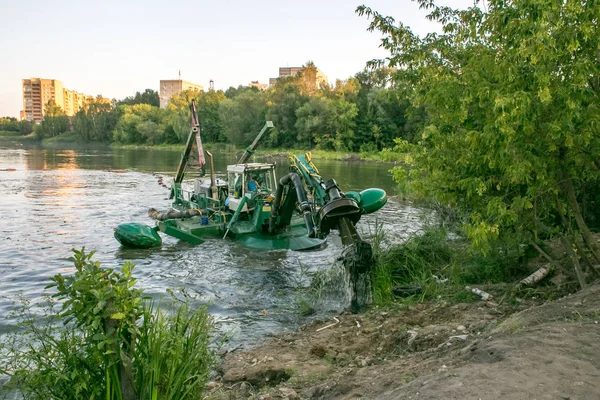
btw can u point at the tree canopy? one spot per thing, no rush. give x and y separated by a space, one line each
511 96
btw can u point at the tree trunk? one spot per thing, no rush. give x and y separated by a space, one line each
585 231
575 260
542 252
589 267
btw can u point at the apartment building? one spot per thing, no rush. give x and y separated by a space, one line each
169 87
37 92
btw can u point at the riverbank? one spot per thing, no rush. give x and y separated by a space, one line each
18 141
69 141
267 152
530 348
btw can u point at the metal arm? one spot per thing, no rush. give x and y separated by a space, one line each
194 135
250 149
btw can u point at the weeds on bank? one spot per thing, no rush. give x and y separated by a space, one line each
101 339
441 267
432 264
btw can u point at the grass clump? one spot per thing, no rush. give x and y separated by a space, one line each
101 339
439 265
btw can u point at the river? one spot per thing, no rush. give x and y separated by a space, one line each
56 200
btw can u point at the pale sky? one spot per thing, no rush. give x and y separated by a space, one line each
117 47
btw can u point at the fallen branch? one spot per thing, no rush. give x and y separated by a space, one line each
337 321
484 295
537 276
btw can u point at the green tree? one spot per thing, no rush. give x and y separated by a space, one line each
284 99
178 116
384 107
178 113
307 79
140 123
25 127
243 116
211 126
148 96
511 94
10 124
232 92
347 89
96 121
328 123
55 121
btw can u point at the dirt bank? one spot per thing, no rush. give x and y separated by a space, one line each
430 351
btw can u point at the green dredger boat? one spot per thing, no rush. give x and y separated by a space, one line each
295 212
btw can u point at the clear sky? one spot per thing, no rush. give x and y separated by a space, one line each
117 47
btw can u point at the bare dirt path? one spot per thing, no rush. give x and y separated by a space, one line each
430 351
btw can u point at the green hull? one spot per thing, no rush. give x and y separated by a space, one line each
193 231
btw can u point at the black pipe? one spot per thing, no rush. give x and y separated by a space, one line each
294 178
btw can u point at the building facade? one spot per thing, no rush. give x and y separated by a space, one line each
37 92
170 87
320 79
258 85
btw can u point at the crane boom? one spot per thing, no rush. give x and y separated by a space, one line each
250 149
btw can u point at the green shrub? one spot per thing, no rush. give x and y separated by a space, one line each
431 255
107 342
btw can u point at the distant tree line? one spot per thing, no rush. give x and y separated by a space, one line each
12 126
363 113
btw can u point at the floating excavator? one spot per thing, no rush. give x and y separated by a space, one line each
296 212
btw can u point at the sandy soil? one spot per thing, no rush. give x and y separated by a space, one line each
430 351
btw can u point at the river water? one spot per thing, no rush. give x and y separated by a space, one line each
57 200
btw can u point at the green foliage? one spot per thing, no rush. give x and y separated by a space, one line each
177 357
427 259
284 99
208 116
9 133
243 116
55 122
105 341
384 111
140 123
305 308
328 123
511 93
96 121
369 109
9 124
148 96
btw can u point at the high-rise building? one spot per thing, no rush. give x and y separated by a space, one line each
174 86
37 92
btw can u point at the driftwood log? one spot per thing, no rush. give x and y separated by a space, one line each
537 276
